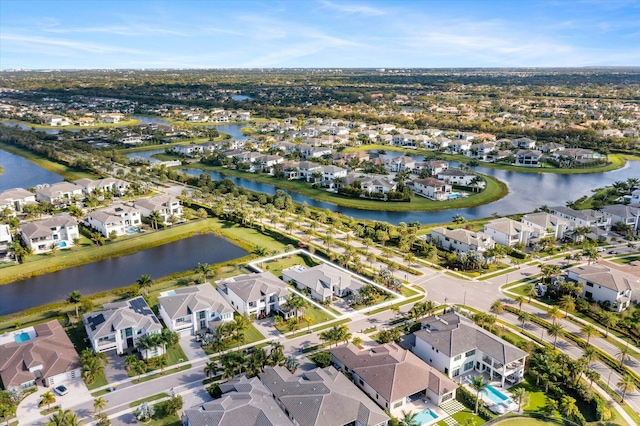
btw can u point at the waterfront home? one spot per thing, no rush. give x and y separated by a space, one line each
38 355
322 396
329 173
400 164
61 192
432 188
460 240
377 185
117 218
576 155
508 232
523 143
547 225
456 346
628 215
587 217
119 325
15 199
322 281
243 401
605 285
191 150
458 177
40 235
5 238
393 376
193 310
528 158
167 205
260 294
113 185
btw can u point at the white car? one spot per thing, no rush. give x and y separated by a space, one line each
61 390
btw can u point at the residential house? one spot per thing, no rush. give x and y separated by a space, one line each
605 285
482 151
524 143
5 239
38 355
508 232
551 147
621 213
191 150
400 164
259 294
528 158
119 325
323 281
114 117
243 402
459 146
460 240
456 346
434 167
40 235
439 142
588 217
307 170
117 218
547 225
193 310
322 396
393 376
458 177
61 192
576 155
330 173
167 205
54 120
635 197
113 185
431 188
15 199
377 185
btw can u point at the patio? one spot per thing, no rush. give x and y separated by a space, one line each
416 405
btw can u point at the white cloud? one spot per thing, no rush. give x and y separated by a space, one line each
38 42
351 8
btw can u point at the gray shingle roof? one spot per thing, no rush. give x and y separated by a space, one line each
193 299
134 313
323 278
612 279
42 228
251 287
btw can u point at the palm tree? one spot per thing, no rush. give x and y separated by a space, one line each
590 354
567 303
203 269
155 218
623 355
554 313
531 291
162 362
75 298
608 319
521 396
409 419
626 384
211 368
568 406
497 307
48 398
291 364
556 331
523 317
592 375
588 330
140 367
519 300
99 404
63 418
478 384
144 282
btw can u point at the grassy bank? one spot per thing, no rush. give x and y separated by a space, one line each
616 161
36 126
63 170
494 191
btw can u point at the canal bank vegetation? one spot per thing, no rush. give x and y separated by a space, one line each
37 126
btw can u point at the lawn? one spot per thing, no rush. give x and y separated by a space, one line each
537 398
100 381
276 266
462 416
148 399
526 421
316 315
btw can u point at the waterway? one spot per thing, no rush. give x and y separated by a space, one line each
148 120
109 274
22 173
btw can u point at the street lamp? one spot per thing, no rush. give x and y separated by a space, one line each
609 378
464 299
445 305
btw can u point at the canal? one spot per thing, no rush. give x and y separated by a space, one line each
122 271
22 173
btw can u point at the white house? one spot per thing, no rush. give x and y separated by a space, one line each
456 346
508 232
457 177
587 217
254 294
393 376
38 355
523 143
59 192
119 325
116 218
604 284
461 240
40 235
323 281
194 310
547 225
528 158
400 164
431 188
628 215
113 185
379 185
16 198
329 173
191 150
165 204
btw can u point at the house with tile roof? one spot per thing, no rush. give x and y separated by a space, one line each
321 397
547 225
60 230
457 177
628 215
59 193
38 355
258 294
119 325
456 346
431 188
194 309
528 158
113 185
460 240
244 402
587 217
603 284
508 232
393 376
165 204
323 281
117 218
16 198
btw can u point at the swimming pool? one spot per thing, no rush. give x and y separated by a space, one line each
22 337
495 395
426 416
132 230
453 195
61 244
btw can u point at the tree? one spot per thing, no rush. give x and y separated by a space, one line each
626 384
92 365
554 313
521 397
497 307
144 412
140 367
63 418
556 331
592 375
590 354
519 300
48 398
478 384
99 404
523 317
155 218
567 303
162 362
173 404
203 269
409 419
144 282
588 330
568 406
291 363
608 319
75 298
623 355
531 291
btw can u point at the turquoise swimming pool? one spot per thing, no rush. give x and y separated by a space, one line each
495 395
22 337
426 416
61 244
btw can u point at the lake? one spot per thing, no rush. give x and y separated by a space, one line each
109 274
148 120
232 129
22 173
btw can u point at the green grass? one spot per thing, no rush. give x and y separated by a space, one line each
148 399
100 381
156 375
165 420
48 411
37 126
404 302
462 416
276 266
525 421
493 191
252 335
537 398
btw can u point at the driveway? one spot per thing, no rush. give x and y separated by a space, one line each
191 348
115 371
29 412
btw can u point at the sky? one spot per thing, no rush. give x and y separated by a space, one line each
89 34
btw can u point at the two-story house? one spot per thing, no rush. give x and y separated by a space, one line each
61 192
508 232
432 188
165 204
460 240
547 225
604 284
40 235
456 346
118 218
260 294
323 281
119 325
528 158
628 215
16 198
194 310
113 185
457 177
587 217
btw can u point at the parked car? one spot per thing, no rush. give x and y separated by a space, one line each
61 390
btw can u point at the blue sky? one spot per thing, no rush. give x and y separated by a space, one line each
318 33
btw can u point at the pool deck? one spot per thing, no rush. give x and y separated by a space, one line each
495 383
417 406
